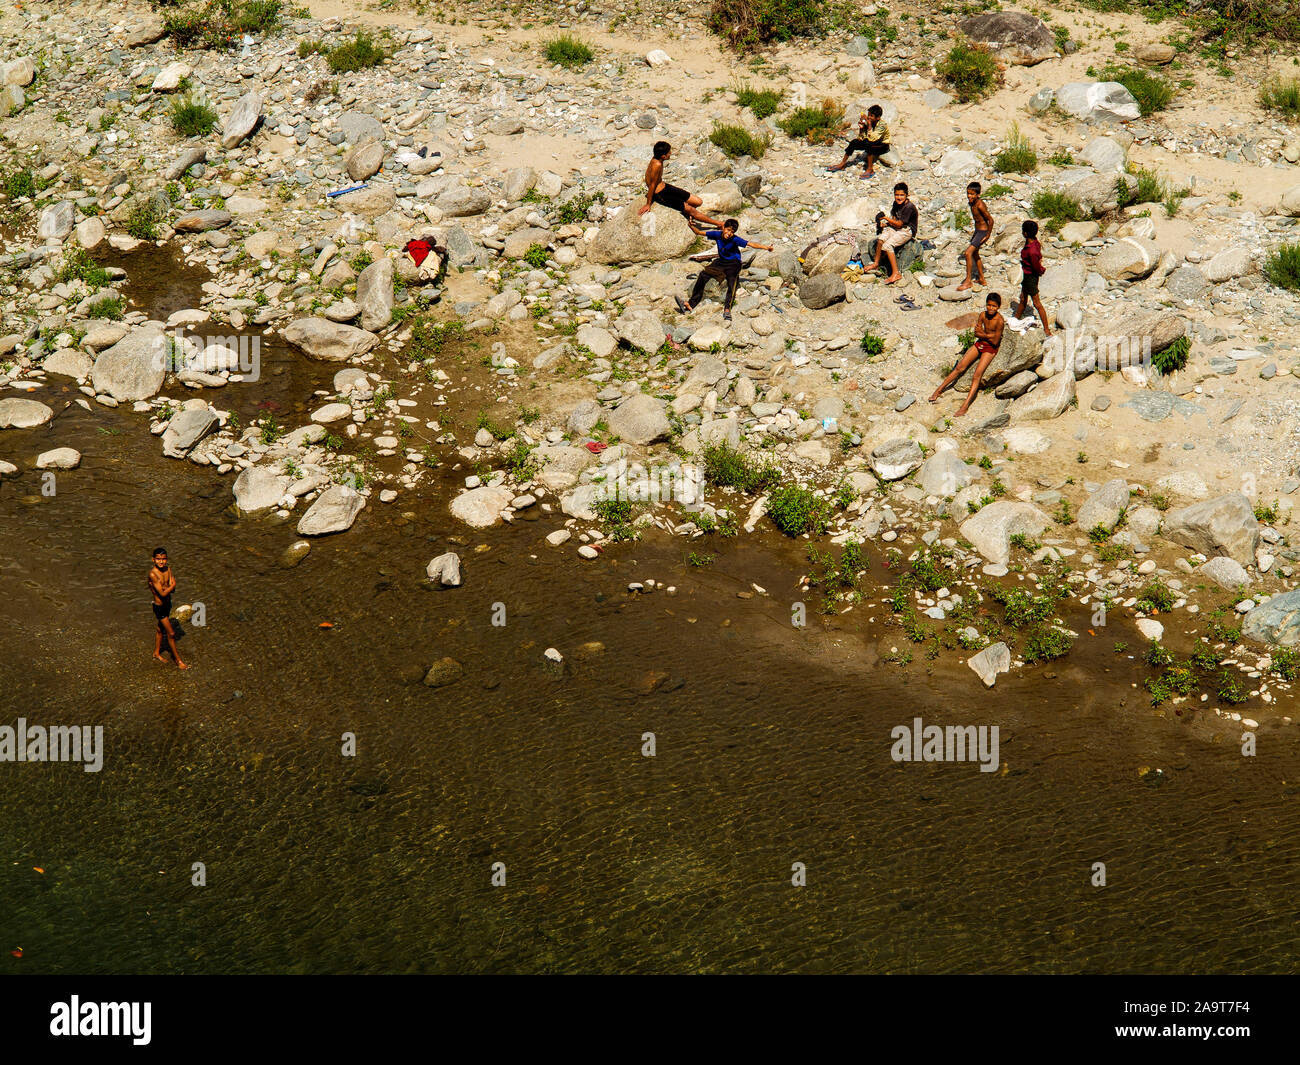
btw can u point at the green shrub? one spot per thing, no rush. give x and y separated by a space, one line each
1174 357
871 344
221 23
995 190
970 70
1286 663
78 265
615 516
816 125
535 256
1152 92
360 53
192 119
568 52
749 24
19 184
1282 266
575 208
428 339
307 48
110 307
1061 157
1018 157
1057 208
795 510
142 222
734 141
1282 95
1156 597
1046 643
762 102
724 466
1230 689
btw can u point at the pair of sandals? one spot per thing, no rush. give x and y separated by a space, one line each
906 302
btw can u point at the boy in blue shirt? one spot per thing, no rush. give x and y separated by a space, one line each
726 267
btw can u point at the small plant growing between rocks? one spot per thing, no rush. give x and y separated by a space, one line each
796 510
360 53
1174 357
816 125
193 119
568 52
1282 267
734 141
970 71
1018 157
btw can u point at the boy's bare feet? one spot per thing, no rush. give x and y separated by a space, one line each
963 286
159 657
892 280
961 410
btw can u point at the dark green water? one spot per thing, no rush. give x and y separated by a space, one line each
773 748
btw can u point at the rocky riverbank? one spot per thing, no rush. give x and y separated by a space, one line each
538 355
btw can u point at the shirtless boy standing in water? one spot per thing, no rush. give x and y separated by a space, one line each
670 196
162 582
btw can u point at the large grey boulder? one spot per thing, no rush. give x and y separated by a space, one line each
1017 352
1095 193
822 291
640 419
365 160
1013 36
375 294
895 459
1235 261
133 368
1105 506
990 530
335 510
242 120
1275 622
641 329
1188 282
176 169
1104 154
1050 399
461 201
1098 101
994 659
17 413
327 341
57 221
481 507
259 488
1127 259
519 182
1156 328
1225 572
69 363
944 474
1225 525
1062 281
186 429
445 569
356 126
656 236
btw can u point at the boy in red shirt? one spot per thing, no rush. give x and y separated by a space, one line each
1031 264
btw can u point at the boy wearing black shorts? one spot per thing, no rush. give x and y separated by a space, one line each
670 196
1031 265
726 267
979 213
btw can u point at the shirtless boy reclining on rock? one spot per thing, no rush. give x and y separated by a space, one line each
988 338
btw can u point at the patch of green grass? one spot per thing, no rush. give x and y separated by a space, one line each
996 190
568 52
1018 157
1230 689
695 559
220 23
762 103
871 344
519 461
1282 267
271 430
78 265
19 184
616 519
1151 91
1056 209
535 256
1267 513
430 339
1285 663
497 429
795 510
1283 96
725 466
1156 597
747 25
360 53
193 119
144 219
110 307
1046 643
734 141
970 71
1063 515
1061 157
574 209
816 125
